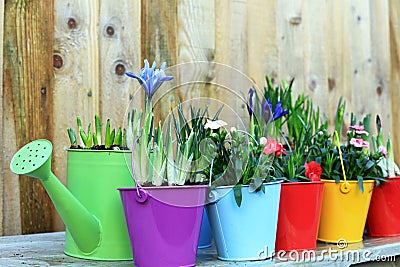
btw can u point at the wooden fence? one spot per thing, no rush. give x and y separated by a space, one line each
66 58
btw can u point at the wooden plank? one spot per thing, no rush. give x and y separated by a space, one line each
380 56
28 42
159 29
315 67
231 34
231 49
289 17
2 163
262 48
196 31
337 58
361 70
119 41
196 47
10 214
77 74
394 18
11 196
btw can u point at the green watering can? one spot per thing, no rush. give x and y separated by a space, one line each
90 206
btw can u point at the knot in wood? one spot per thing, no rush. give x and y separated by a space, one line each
120 69
57 61
72 23
110 31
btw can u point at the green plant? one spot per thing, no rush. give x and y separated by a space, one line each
359 162
243 158
194 137
94 140
177 156
387 163
296 120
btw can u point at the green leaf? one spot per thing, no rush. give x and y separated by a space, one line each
87 139
218 112
360 183
98 128
72 137
95 142
109 138
237 190
359 163
369 165
118 137
339 116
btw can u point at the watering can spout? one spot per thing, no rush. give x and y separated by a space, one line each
34 159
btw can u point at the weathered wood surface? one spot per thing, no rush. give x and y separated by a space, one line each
28 99
95 43
394 33
76 74
332 49
119 40
2 163
47 250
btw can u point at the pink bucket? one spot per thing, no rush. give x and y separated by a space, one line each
164 223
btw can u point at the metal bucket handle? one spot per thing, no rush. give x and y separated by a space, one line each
345 186
142 194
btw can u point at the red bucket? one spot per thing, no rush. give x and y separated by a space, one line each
299 213
384 211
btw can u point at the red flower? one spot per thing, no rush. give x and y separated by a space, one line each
279 150
313 171
273 146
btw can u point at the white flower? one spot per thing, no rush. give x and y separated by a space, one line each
263 141
233 129
214 124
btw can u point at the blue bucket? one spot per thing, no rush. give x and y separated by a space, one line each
247 232
205 240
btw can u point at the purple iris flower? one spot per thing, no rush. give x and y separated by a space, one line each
151 78
250 104
277 112
264 106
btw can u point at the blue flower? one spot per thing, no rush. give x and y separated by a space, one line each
151 78
277 112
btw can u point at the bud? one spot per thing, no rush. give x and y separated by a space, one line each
263 141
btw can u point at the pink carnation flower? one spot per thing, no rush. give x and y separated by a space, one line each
358 129
273 146
358 142
383 150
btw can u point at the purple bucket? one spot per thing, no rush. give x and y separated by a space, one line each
164 223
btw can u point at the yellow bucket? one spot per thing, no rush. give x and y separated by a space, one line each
344 211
